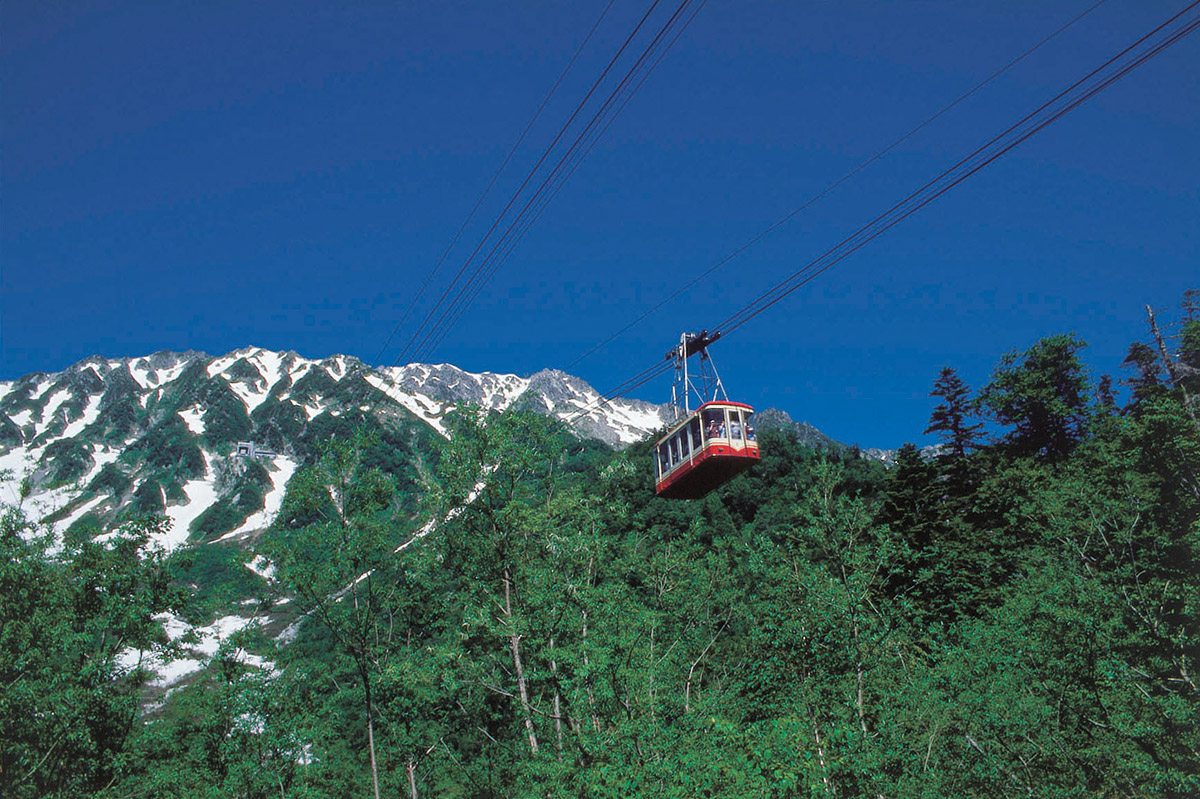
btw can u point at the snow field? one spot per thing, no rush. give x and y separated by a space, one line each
193 417
201 495
43 387
252 397
55 402
141 375
270 366
78 513
14 463
422 407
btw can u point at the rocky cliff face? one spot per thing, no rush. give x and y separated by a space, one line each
773 418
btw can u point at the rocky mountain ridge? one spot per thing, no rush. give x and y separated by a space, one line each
108 437
172 419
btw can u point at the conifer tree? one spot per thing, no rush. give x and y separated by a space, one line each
949 417
959 437
910 501
1147 379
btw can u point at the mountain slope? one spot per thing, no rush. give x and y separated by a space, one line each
106 439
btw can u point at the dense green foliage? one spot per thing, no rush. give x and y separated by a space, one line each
69 701
1012 615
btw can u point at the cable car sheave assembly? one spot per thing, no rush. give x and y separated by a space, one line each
707 447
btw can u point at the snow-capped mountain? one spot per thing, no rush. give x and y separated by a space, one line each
106 438
429 391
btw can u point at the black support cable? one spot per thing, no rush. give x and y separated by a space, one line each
546 154
957 173
545 199
491 183
425 346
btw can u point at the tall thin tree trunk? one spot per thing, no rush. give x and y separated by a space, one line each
590 694
687 690
371 744
821 758
858 675
650 681
557 707
412 779
515 641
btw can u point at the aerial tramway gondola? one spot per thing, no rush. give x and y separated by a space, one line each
707 447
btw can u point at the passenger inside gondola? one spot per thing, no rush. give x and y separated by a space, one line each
714 423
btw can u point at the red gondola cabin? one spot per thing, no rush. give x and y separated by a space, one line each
708 447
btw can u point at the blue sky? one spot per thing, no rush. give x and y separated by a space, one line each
212 175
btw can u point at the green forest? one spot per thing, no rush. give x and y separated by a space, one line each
1011 615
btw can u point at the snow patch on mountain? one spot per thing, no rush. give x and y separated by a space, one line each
336 366
141 373
101 457
42 388
52 405
262 567
14 465
300 368
210 637
449 386
77 514
90 413
635 417
312 411
170 374
193 417
418 405
249 395
270 365
219 365
21 462
430 391
201 494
